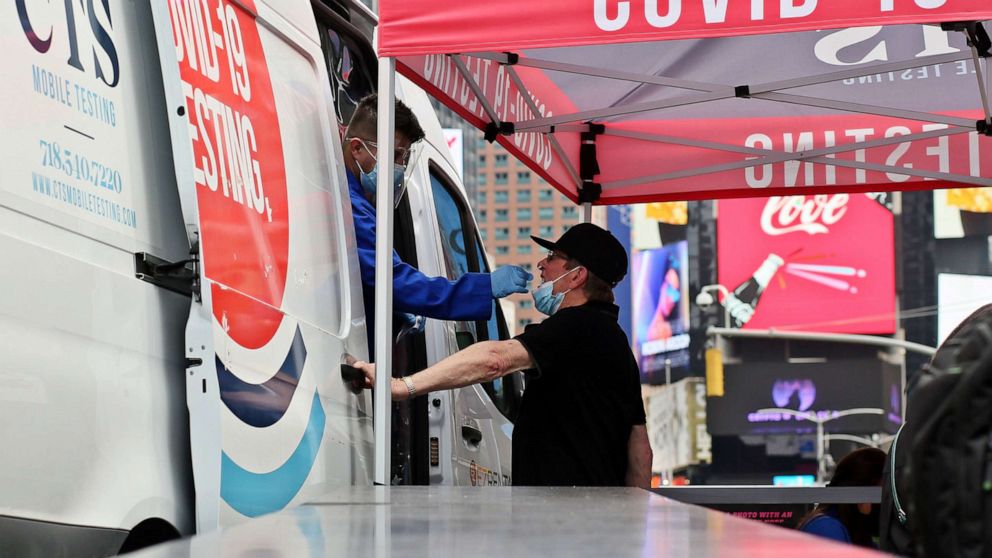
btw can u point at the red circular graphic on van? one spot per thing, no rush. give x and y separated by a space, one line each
238 165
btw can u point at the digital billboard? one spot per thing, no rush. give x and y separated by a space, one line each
960 212
661 310
817 263
957 297
819 389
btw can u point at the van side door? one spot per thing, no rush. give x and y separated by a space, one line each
258 166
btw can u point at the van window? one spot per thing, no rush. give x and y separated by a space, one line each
351 71
461 257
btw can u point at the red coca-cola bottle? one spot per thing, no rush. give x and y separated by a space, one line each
741 303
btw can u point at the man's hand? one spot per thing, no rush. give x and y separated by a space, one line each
397 388
368 369
509 279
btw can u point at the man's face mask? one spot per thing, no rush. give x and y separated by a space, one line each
370 179
545 300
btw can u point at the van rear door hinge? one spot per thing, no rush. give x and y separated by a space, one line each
181 277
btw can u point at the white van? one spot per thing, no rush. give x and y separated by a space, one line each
179 285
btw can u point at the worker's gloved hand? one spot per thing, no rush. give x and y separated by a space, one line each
509 279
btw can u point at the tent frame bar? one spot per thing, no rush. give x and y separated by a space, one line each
817 79
769 91
525 93
981 82
476 90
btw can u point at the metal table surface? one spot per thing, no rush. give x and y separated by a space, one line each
500 521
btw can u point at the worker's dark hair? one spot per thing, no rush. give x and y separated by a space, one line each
595 288
364 120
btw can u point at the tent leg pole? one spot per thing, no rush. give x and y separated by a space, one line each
587 212
382 398
981 83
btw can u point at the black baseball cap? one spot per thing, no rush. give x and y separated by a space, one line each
593 247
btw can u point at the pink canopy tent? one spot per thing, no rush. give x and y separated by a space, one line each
614 101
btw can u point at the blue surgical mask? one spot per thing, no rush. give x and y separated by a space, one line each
545 300
369 179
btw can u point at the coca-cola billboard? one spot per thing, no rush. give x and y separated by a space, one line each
815 263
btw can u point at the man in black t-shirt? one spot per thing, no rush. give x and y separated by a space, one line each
581 421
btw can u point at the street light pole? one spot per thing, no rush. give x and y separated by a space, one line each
814 418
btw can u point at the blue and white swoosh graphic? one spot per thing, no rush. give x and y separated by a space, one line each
262 405
254 494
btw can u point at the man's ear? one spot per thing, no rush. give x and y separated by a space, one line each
580 277
353 146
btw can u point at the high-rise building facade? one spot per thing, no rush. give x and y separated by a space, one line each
513 203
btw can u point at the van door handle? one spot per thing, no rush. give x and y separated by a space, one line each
353 376
471 434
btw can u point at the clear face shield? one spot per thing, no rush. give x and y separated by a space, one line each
403 174
402 170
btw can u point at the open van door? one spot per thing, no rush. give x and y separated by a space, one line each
470 428
278 305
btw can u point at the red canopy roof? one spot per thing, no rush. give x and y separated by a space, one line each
690 99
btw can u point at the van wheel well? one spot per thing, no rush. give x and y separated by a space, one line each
148 532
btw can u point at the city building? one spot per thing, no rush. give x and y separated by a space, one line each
512 203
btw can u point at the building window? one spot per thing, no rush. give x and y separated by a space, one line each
501 160
523 323
569 212
544 194
545 213
502 178
480 197
502 215
482 178
482 234
565 228
523 177
523 232
482 159
546 232
501 196
523 196
501 233
527 267
524 249
523 214
526 304
482 215
502 250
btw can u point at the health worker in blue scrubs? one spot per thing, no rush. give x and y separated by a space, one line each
470 297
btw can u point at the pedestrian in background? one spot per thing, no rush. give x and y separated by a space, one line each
851 523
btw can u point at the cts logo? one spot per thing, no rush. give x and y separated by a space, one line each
794 394
91 30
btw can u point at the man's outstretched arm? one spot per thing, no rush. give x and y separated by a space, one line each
481 362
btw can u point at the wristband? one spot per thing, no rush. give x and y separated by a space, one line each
409 386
